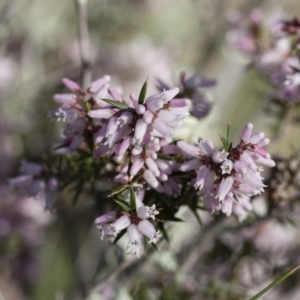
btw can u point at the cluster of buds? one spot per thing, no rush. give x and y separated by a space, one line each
271 48
137 225
35 180
74 108
228 178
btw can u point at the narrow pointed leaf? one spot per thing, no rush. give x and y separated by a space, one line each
123 205
154 246
119 189
161 227
116 104
275 283
197 217
119 235
164 156
143 92
229 134
132 198
224 142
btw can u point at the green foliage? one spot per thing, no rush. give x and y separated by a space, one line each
143 92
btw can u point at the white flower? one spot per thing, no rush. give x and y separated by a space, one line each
145 212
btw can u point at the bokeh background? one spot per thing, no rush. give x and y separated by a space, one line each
59 255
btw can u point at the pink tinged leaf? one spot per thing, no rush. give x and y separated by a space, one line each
254 139
71 85
188 149
106 218
224 188
104 113
148 117
246 132
64 98
150 179
115 94
138 163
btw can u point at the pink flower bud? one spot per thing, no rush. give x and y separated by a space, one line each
246 132
71 85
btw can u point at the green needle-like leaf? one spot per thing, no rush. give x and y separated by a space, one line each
123 205
229 134
224 142
132 198
143 92
119 235
119 189
116 104
275 283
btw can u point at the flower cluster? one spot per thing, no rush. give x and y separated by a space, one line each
36 180
137 225
270 46
136 135
193 88
139 129
228 178
73 111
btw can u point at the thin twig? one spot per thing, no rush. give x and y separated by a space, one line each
84 42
